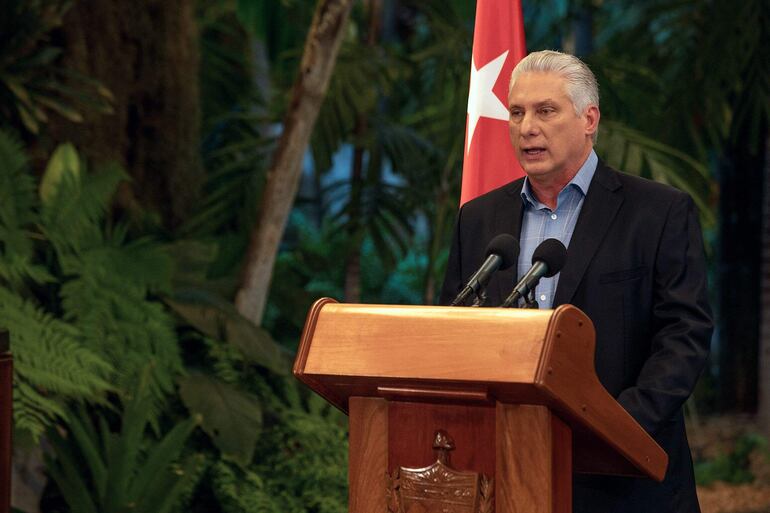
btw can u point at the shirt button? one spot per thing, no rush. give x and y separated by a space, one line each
542 297
553 216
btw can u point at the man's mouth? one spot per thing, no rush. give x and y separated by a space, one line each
534 152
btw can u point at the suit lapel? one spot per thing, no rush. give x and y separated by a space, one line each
508 214
599 209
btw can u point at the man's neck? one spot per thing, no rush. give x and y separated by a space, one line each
547 188
547 191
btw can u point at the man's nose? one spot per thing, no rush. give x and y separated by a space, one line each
528 126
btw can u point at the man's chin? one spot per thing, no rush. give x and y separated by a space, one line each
535 168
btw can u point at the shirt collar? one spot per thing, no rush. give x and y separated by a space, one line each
581 181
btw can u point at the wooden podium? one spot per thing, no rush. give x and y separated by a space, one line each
6 404
469 410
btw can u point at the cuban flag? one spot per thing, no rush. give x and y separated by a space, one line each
498 44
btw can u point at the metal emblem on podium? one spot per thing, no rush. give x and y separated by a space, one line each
439 488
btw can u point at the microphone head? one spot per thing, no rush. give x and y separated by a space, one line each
553 254
506 247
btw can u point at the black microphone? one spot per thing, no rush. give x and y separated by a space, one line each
502 252
548 259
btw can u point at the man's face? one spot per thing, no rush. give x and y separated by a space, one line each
550 140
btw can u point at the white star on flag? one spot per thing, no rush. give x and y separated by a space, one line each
482 101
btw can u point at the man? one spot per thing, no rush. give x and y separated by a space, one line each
635 266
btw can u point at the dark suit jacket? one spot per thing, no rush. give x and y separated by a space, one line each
636 267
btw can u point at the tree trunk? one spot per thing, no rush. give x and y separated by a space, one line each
353 257
146 54
355 228
764 327
318 59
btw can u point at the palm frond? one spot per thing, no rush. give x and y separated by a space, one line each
639 154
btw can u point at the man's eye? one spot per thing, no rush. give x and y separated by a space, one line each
547 110
516 113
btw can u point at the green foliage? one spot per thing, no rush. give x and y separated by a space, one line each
51 363
733 467
309 268
266 428
686 73
237 116
220 320
107 282
630 150
303 461
75 293
302 468
220 391
32 82
18 216
232 418
125 471
74 204
239 490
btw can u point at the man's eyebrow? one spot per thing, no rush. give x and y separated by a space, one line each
539 103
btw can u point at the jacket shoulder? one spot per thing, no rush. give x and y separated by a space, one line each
483 202
638 187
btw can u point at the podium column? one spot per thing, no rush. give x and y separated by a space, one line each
534 460
6 408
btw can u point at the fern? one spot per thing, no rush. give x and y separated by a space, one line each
106 327
17 215
73 212
303 462
107 281
123 324
51 364
239 490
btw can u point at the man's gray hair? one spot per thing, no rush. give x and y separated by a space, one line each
582 88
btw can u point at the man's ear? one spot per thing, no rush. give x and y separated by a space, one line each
592 116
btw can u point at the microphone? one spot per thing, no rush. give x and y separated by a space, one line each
547 260
502 252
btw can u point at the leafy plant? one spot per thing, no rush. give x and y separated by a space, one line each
636 153
18 216
101 471
218 390
301 464
32 82
266 427
52 361
732 467
51 364
107 281
75 292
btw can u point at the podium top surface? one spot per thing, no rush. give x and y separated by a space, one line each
483 355
425 342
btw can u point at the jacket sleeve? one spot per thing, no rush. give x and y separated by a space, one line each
681 318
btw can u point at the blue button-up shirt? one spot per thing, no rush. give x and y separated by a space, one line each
540 223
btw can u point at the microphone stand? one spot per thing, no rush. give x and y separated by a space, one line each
481 298
530 301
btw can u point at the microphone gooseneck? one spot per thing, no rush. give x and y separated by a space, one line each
547 260
501 253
